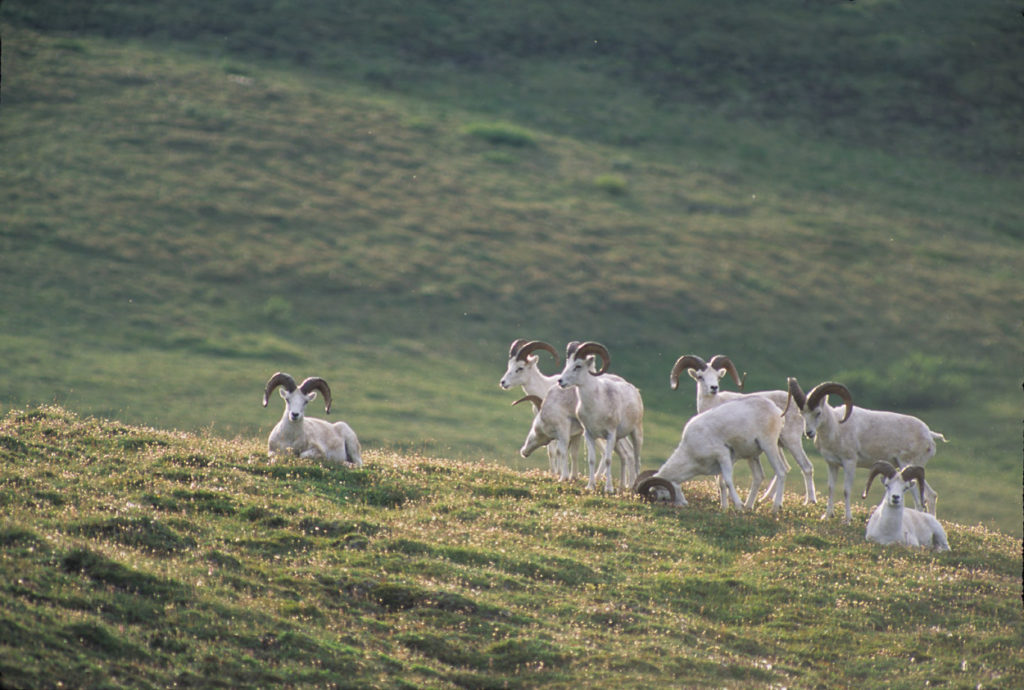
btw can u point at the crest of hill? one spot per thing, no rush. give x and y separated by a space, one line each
131 553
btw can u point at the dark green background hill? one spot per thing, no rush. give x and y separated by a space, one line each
195 195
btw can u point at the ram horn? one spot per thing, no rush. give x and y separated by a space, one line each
591 348
537 402
647 489
528 348
682 364
315 383
571 347
723 362
823 390
795 393
911 472
514 347
278 379
640 478
880 467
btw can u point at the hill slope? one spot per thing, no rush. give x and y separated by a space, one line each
184 217
135 557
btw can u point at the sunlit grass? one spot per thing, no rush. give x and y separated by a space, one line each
134 553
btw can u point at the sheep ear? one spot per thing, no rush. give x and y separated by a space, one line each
311 396
722 373
692 373
282 392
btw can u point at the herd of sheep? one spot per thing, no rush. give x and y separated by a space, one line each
586 402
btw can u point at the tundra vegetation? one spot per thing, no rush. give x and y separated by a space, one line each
389 192
136 557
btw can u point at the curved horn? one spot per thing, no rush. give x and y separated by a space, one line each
822 390
682 364
527 349
571 347
537 402
911 472
592 348
278 379
315 383
795 393
647 487
514 347
723 362
880 467
640 478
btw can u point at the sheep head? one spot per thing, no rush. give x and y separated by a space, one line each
706 374
296 397
656 490
579 360
812 403
897 481
521 358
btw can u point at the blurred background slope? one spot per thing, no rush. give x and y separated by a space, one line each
386 194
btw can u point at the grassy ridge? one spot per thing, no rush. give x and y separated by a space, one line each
179 224
135 557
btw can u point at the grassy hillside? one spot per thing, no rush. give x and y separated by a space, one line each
134 557
191 207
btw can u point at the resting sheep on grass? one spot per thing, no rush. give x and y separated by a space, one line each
307 437
892 522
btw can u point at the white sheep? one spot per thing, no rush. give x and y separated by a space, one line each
710 444
550 423
892 522
709 394
308 437
609 408
560 412
860 437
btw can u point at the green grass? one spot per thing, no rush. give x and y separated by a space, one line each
191 207
135 557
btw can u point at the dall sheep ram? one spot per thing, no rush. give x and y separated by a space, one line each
307 437
710 444
709 394
549 424
559 423
860 437
892 522
609 408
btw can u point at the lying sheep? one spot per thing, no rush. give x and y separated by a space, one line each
892 522
308 437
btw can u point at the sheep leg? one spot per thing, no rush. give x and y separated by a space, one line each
849 466
833 475
573 455
778 462
726 464
796 449
591 459
606 462
561 449
756 477
625 453
553 460
723 489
